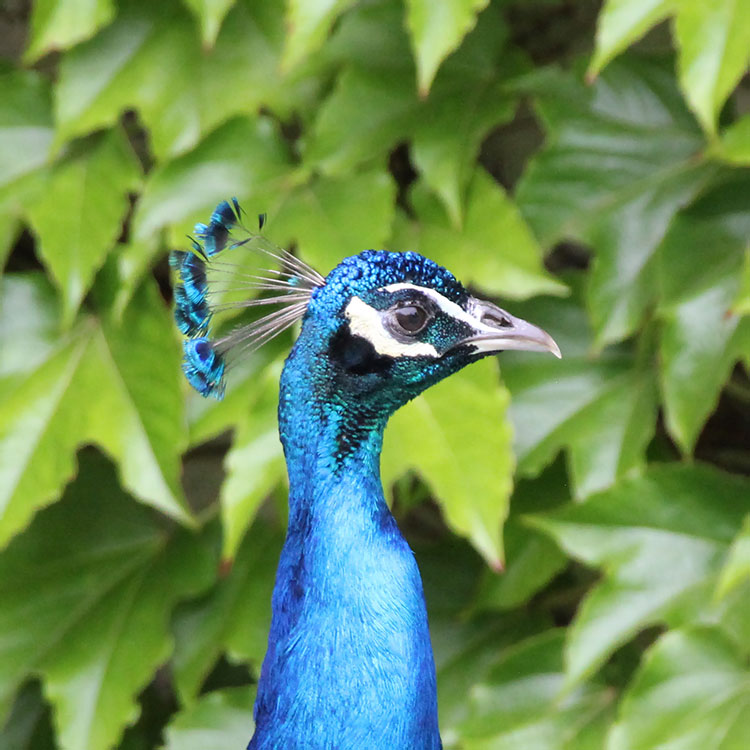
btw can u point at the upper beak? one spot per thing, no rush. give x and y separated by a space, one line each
498 330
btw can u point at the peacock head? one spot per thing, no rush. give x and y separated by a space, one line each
388 325
377 331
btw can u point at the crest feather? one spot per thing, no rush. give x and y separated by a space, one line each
202 276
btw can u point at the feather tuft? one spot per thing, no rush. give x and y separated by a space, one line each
202 277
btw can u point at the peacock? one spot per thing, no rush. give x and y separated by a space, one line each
349 661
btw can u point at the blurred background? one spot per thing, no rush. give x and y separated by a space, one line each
585 165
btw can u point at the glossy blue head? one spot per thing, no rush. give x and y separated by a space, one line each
385 326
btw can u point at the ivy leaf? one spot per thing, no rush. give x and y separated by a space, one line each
622 22
147 60
220 719
244 158
60 24
446 142
255 463
28 726
26 130
249 381
436 30
737 567
601 408
330 219
690 692
701 338
517 704
308 24
375 106
660 541
28 306
234 617
713 41
465 652
114 386
79 216
533 559
714 45
91 613
494 250
734 146
210 15
457 437
618 163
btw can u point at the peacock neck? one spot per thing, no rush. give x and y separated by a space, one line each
349 661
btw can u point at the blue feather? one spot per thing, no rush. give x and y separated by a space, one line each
215 235
192 318
204 367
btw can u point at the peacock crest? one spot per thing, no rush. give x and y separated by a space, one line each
287 284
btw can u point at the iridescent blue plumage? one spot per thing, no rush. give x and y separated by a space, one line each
193 312
204 367
216 233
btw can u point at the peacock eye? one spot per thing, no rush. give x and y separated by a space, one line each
411 318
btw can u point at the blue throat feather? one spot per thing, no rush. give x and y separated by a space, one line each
349 661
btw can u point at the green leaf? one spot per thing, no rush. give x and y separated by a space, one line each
622 22
59 24
221 719
618 163
114 386
245 158
457 437
375 105
28 306
713 40
517 704
150 59
436 30
601 408
28 726
234 617
533 559
734 146
701 338
691 692
26 131
308 25
465 652
494 250
737 567
8 231
714 44
210 15
90 614
660 541
255 463
79 216
329 218
209 418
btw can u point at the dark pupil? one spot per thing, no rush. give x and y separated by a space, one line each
411 318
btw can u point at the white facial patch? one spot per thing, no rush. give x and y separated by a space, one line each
365 321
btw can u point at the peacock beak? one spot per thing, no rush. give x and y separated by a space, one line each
498 330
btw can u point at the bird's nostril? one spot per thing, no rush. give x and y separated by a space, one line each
496 319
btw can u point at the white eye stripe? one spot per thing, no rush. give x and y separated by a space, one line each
450 308
366 321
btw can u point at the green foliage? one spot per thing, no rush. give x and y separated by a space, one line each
604 196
